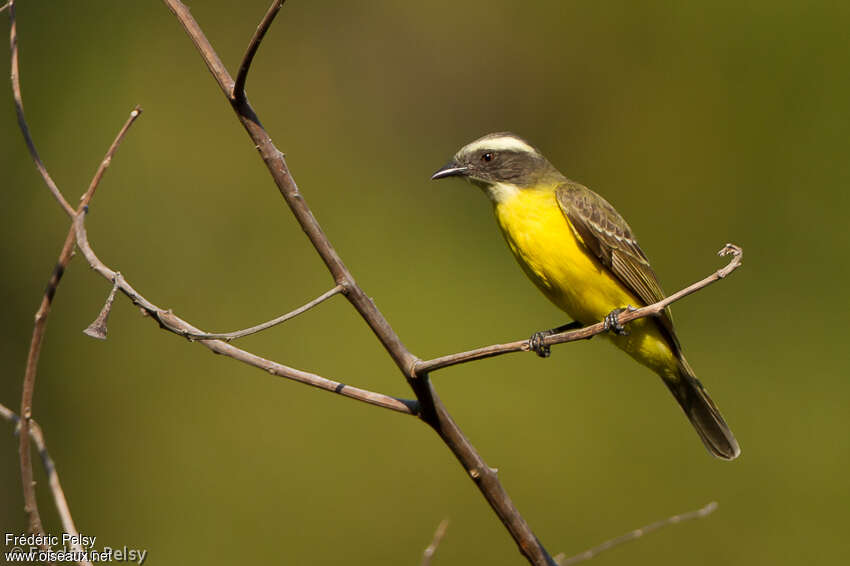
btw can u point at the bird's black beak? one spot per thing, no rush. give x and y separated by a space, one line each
450 169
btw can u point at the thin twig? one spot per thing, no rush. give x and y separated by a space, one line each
173 323
3 8
241 76
588 331
429 552
28 389
62 508
229 336
635 534
107 160
8 414
22 121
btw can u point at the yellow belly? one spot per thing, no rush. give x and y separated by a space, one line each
553 257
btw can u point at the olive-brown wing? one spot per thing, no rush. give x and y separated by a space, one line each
610 239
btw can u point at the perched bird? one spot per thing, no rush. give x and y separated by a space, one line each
583 256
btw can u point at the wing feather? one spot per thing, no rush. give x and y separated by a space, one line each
607 235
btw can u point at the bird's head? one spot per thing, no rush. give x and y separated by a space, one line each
502 164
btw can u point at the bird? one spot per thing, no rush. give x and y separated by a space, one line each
580 252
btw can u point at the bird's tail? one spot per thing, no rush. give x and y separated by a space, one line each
703 413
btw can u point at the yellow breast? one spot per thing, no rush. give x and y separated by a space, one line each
555 259
553 256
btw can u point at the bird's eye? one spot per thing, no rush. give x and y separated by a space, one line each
487 157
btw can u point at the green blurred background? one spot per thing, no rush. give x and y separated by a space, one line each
702 123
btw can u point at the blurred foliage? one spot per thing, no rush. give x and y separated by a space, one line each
702 123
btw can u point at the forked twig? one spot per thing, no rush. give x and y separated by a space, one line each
28 389
228 336
173 323
238 93
636 534
59 499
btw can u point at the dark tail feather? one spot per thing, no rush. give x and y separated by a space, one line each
703 413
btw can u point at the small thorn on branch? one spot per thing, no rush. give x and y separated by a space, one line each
97 329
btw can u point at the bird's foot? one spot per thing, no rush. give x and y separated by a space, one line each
536 340
537 346
612 321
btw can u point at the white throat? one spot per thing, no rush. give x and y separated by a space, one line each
500 193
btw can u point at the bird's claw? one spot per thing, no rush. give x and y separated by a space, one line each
536 344
612 322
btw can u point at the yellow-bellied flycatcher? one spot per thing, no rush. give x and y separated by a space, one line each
581 253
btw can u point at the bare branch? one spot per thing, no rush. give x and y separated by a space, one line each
171 322
429 552
22 121
37 437
276 164
227 337
242 75
588 331
635 534
3 8
428 406
28 389
431 409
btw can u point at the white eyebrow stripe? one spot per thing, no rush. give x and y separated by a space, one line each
503 143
